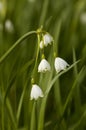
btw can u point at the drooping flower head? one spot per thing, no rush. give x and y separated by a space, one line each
9 25
47 38
60 64
44 66
36 92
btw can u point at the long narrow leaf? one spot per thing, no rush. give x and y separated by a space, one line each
43 105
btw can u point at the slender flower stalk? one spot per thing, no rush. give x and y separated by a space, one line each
34 73
60 64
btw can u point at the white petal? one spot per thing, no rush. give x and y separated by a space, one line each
9 26
60 64
83 18
47 39
44 66
41 45
36 92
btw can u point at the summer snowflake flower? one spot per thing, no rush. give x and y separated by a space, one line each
60 64
44 66
36 92
83 18
47 38
41 45
9 25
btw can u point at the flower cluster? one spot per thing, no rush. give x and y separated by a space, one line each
46 40
44 66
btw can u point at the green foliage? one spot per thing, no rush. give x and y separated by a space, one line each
64 104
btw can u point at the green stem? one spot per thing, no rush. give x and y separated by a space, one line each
57 95
16 44
56 37
72 90
34 74
33 118
11 113
20 104
43 104
3 117
77 89
37 49
44 12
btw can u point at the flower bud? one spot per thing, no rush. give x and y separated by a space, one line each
41 45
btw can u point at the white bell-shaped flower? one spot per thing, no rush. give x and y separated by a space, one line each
60 64
36 92
9 25
47 38
83 18
44 66
41 45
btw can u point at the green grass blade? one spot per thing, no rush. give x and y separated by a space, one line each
58 75
77 88
10 111
44 11
77 124
15 45
22 70
78 79
33 125
43 105
20 103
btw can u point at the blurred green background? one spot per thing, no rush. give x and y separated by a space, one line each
65 20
